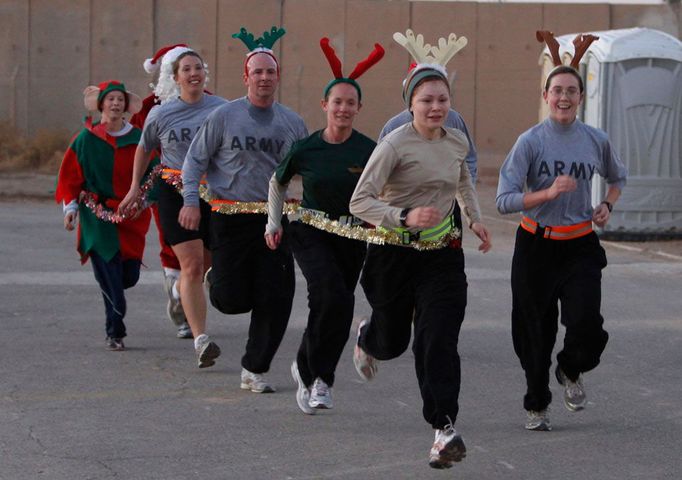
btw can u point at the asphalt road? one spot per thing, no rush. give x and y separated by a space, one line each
69 409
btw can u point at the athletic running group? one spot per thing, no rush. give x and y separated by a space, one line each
214 175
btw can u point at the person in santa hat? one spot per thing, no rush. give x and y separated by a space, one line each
169 262
171 126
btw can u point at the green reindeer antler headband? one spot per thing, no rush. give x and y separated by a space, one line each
262 44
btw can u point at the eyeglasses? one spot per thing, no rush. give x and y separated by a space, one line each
558 92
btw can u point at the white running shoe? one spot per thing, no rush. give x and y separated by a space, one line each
302 392
174 310
321 395
574 392
184 331
206 351
538 421
448 447
365 364
255 382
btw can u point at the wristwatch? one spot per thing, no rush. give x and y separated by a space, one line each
403 216
609 205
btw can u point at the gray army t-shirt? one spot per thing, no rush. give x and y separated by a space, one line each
172 127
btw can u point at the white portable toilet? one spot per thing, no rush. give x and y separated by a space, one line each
633 91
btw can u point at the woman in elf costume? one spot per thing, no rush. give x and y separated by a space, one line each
94 176
330 162
416 280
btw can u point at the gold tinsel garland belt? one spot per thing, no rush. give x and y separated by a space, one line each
233 207
173 177
105 209
435 238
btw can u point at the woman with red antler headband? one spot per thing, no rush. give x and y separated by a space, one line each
547 176
330 162
93 177
416 277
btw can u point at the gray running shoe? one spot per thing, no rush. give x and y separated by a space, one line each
302 392
448 447
174 309
255 382
321 395
114 344
538 421
185 331
574 392
207 351
365 364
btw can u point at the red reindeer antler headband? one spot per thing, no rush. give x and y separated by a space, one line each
335 64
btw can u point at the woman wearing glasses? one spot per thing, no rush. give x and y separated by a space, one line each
557 257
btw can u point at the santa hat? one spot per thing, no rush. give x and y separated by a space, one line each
335 64
166 88
151 65
262 44
431 60
93 95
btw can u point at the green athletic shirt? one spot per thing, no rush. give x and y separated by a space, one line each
329 171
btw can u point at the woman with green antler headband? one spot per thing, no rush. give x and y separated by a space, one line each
323 239
408 190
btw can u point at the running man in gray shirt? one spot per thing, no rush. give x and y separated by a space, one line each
238 147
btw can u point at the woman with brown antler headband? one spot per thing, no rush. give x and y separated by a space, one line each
408 190
557 257
323 242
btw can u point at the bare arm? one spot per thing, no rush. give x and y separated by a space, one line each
140 165
562 184
601 213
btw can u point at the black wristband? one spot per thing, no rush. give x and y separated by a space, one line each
403 217
609 205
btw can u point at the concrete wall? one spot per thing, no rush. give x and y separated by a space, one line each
51 49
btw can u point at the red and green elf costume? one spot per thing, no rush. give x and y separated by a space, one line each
102 164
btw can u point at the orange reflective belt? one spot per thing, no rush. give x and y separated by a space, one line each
166 173
560 232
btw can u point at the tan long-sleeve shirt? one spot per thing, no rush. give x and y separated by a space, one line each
408 171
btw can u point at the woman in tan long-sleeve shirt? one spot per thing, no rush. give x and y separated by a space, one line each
408 187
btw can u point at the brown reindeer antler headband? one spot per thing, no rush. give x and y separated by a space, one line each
581 43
